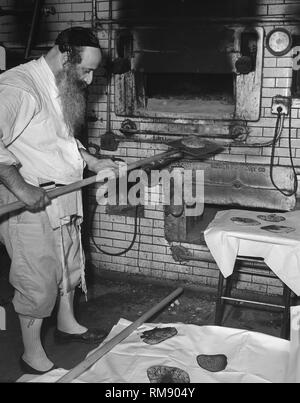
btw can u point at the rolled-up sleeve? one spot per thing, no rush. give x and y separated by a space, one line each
17 108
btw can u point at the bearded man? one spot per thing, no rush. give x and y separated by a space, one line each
42 110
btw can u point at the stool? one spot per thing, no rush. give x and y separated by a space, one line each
258 268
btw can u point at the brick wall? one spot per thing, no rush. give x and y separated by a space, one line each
151 254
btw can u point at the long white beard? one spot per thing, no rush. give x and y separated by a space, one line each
73 98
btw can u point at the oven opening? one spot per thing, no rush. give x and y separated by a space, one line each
190 93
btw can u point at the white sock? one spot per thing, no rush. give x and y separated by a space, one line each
34 353
66 321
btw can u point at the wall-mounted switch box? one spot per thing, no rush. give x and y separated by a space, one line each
281 104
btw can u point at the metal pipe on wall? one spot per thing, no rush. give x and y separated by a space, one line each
109 74
37 8
139 23
94 15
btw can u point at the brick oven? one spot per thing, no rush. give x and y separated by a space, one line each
192 73
203 70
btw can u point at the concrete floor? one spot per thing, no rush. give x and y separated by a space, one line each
113 296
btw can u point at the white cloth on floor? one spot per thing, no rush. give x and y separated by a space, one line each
293 372
252 357
233 232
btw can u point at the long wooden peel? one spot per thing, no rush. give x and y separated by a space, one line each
11 207
105 348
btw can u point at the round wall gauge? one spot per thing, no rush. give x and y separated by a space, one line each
279 41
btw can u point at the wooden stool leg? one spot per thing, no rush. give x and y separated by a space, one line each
285 328
219 303
229 285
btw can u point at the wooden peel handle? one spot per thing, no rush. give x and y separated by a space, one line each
18 205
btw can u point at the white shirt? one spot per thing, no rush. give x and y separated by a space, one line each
33 133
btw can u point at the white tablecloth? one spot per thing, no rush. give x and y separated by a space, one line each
228 236
251 357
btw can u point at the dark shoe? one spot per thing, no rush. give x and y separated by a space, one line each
91 336
27 369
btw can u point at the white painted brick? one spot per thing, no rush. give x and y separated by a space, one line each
287 162
71 17
112 234
160 223
266 102
81 7
205 272
105 226
257 160
261 10
274 290
145 255
146 230
132 254
123 228
252 287
122 245
272 92
284 9
285 62
146 239
267 281
269 82
284 142
147 222
283 82
244 150
124 261
113 219
103 241
153 248
163 257
266 122
260 2
233 158
158 232
270 62
256 131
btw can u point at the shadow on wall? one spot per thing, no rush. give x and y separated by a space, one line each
15 25
16 20
142 9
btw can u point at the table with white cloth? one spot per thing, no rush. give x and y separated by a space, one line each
275 237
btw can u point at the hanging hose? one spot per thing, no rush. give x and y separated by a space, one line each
132 242
276 137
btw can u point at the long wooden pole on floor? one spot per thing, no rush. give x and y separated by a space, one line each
11 207
101 351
